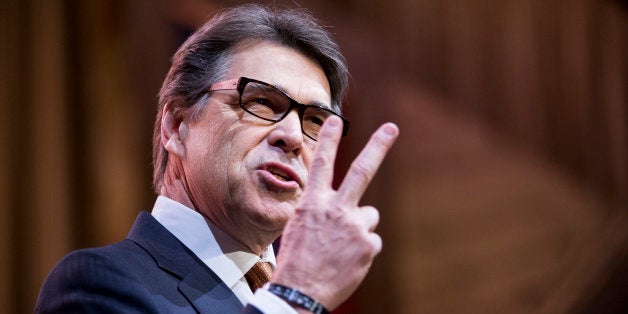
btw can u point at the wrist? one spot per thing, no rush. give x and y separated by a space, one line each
296 298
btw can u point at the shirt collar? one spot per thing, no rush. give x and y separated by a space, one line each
199 235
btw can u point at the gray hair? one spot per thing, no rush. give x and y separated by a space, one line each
203 59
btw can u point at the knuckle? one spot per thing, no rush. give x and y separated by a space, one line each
376 243
361 170
320 161
374 213
381 140
371 210
371 247
370 216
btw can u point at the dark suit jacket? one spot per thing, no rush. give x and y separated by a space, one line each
149 272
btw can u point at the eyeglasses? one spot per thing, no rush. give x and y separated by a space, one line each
267 102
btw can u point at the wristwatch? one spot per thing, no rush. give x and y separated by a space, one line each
297 298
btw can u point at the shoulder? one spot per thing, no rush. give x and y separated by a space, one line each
98 279
93 262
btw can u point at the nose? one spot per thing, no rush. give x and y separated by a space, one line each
286 134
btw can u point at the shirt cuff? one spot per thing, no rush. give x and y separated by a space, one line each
267 302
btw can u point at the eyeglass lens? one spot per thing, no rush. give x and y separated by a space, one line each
268 103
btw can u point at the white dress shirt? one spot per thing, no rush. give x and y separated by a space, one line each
207 241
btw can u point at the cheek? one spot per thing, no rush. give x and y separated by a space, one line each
208 148
239 144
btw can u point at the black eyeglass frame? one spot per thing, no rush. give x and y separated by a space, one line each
243 81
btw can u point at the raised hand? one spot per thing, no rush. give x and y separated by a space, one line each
328 246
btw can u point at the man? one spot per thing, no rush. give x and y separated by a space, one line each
244 146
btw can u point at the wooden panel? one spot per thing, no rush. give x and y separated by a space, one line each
48 191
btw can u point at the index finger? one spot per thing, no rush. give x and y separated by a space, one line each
322 167
365 166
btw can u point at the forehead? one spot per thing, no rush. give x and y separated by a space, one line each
296 74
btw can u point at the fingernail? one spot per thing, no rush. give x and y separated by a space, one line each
391 130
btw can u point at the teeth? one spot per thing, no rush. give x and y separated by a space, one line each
280 177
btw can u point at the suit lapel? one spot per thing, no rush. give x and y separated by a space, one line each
213 298
200 285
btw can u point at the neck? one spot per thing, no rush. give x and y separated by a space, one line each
241 236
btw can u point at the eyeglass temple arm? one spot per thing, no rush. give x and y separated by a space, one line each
225 85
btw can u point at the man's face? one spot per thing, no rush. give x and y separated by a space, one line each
242 172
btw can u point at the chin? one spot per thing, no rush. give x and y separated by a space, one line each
275 215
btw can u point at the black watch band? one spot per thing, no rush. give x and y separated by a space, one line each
298 298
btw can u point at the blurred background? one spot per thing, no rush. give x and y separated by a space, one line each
507 191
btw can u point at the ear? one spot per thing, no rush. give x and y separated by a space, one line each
174 131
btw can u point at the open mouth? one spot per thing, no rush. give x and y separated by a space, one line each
281 175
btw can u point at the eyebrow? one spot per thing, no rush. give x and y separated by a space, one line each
312 103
